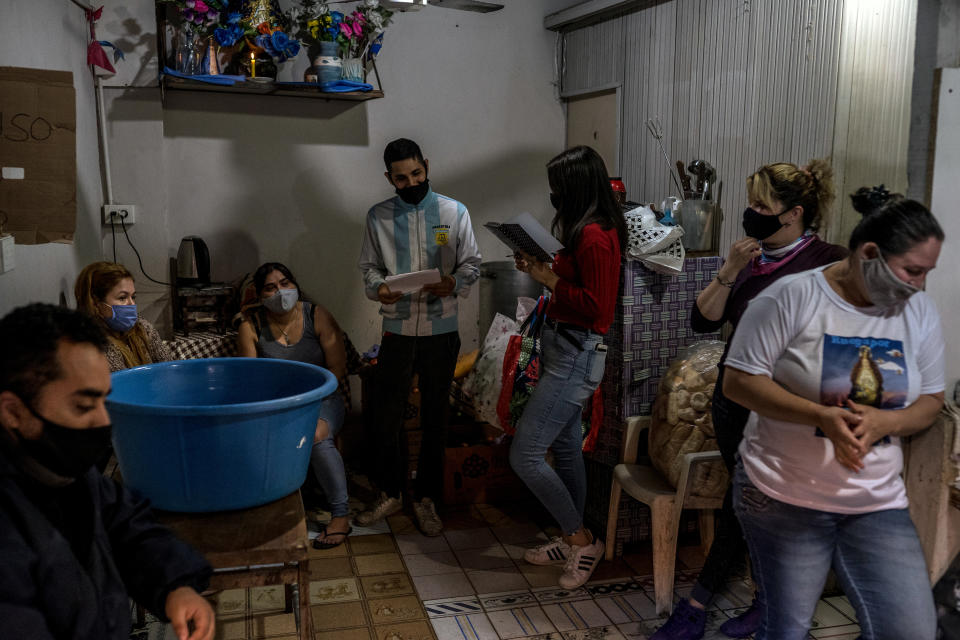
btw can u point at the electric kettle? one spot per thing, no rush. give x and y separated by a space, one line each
193 261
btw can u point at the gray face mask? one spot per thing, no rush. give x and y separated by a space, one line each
282 301
884 288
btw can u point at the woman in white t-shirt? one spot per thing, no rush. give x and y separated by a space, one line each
836 365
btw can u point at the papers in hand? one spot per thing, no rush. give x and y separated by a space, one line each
524 234
414 281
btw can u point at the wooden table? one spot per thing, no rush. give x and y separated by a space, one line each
235 542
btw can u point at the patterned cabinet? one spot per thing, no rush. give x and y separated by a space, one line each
649 330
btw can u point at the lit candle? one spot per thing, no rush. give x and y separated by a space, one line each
253 65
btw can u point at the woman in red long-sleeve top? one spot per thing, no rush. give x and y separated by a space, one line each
584 281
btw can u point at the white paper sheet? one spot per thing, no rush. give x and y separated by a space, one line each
414 281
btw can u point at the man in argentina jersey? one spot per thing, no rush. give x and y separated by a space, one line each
415 230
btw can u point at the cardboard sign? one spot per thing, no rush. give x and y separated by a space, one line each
38 151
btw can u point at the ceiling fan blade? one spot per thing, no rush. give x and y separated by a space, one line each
467 5
403 5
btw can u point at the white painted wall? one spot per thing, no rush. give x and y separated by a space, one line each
942 283
52 34
291 179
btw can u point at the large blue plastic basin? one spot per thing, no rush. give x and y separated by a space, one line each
217 433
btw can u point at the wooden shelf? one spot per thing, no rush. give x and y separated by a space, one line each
270 89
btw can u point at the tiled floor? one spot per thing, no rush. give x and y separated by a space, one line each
391 583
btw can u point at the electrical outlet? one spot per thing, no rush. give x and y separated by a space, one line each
114 213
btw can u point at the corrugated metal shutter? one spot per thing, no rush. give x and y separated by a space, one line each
740 83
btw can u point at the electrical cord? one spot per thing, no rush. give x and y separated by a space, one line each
113 234
139 259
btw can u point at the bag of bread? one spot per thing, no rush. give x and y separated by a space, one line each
682 422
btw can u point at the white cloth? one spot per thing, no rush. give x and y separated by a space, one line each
808 339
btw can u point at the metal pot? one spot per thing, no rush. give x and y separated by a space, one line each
700 220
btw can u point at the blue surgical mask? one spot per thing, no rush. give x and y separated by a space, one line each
282 301
123 318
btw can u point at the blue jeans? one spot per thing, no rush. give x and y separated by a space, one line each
325 459
569 374
876 556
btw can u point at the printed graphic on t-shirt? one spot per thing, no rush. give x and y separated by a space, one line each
868 371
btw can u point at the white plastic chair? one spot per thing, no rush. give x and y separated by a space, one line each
645 483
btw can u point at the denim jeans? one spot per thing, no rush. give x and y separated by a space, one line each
729 547
569 374
325 459
876 556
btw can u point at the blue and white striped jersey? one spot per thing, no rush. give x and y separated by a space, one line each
402 238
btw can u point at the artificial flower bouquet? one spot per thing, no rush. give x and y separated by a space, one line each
358 33
361 31
202 17
238 26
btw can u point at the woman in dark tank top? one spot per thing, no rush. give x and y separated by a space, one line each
287 327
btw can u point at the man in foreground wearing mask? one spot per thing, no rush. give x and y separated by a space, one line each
415 230
73 543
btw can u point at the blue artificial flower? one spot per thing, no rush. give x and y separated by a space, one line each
279 40
288 48
229 36
265 43
336 16
278 45
234 18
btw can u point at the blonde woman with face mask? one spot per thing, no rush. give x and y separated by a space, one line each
106 291
788 206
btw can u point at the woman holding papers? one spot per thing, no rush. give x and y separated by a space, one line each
287 327
583 279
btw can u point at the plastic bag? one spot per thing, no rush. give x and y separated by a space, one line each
669 261
645 235
521 369
485 380
682 422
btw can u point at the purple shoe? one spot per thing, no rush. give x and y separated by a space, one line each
745 624
685 623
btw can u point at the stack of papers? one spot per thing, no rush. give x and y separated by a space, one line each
414 281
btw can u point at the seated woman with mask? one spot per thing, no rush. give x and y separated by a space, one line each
106 291
287 327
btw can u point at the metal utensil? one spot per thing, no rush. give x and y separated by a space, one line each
704 173
709 178
684 178
656 130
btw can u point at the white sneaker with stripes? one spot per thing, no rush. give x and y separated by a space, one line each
581 563
554 552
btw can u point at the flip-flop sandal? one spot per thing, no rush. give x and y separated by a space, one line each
317 544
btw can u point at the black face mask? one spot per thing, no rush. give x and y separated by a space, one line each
759 226
556 201
414 194
65 451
